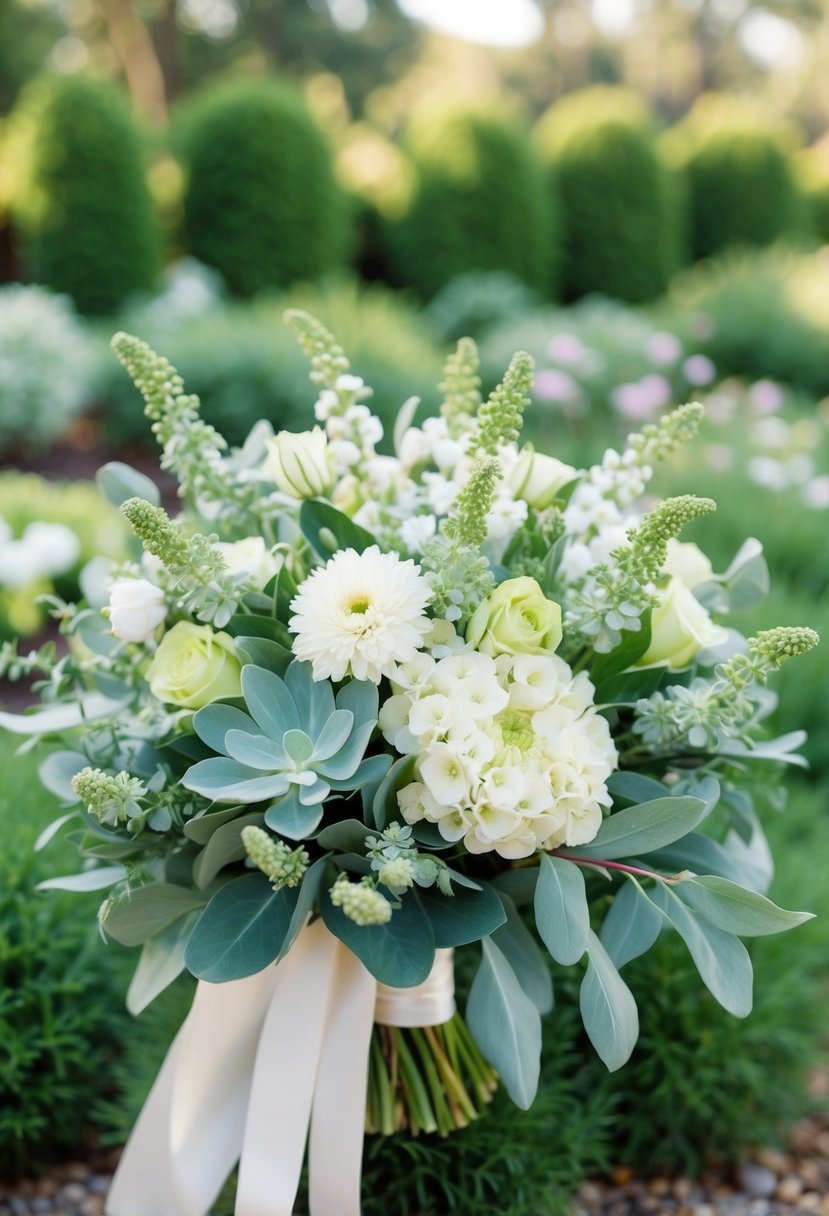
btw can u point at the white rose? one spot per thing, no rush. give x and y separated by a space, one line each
688 562
537 478
680 628
136 609
298 463
251 556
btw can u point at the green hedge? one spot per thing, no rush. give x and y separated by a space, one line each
740 181
81 198
262 203
478 204
620 204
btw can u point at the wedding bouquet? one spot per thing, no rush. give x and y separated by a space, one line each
352 710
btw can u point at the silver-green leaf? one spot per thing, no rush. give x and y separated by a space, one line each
561 912
631 926
736 909
506 1025
608 1009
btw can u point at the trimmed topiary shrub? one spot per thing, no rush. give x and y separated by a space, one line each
812 173
619 203
478 204
262 203
81 198
741 187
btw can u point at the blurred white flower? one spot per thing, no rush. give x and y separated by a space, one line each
136 609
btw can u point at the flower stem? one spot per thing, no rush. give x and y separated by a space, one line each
597 863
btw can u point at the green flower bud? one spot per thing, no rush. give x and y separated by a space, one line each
361 902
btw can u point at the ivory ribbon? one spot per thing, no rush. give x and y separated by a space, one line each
257 1063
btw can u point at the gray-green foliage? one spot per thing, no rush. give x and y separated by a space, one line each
80 195
739 179
618 200
262 204
48 365
478 204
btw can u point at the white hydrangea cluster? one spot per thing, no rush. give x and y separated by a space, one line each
511 753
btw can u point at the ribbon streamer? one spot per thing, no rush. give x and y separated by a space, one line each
257 1063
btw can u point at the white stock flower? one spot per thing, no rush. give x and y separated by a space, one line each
42 551
136 608
417 531
360 614
250 556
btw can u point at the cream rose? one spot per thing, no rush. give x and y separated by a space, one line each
193 666
251 556
687 561
516 619
680 628
136 608
537 478
298 463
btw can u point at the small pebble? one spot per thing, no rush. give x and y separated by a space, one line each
809 1201
789 1189
757 1180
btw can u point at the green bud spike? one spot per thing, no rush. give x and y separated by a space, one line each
284 866
461 386
647 551
361 901
327 357
467 524
657 440
110 798
777 645
500 418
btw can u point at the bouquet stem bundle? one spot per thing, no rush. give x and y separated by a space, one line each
426 1079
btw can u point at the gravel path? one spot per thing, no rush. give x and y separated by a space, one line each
771 1183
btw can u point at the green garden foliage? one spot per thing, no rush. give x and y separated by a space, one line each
740 183
619 201
244 363
478 204
81 198
61 993
758 313
261 204
812 172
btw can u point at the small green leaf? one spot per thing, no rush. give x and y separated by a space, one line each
463 917
400 953
385 807
561 912
317 518
631 926
643 828
632 647
264 652
720 958
737 910
633 788
518 884
309 891
608 1009
241 931
520 948
290 818
88 880
506 1025
348 836
202 829
147 911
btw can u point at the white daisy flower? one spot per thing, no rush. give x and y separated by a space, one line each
360 615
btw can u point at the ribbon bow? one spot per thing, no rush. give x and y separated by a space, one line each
259 1066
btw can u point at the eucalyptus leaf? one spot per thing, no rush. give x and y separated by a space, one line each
506 1025
399 953
631 926
463 917
160 963
349 836
56 773
633 788
200 830
308 897
145 911
700 854
520 948
643 828
52 830
720 958
264 652
518 884
562 916
737 910
119 482
384 807
242 929
223 847
608 1009
89 880
88 708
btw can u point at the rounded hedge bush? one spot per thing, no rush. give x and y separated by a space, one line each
620 207
812 172
81 197
478 204
740 182
262 203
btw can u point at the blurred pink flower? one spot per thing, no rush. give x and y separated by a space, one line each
816 493
765 397
554 385
701 325
663 348
719 457
698 370
567 349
